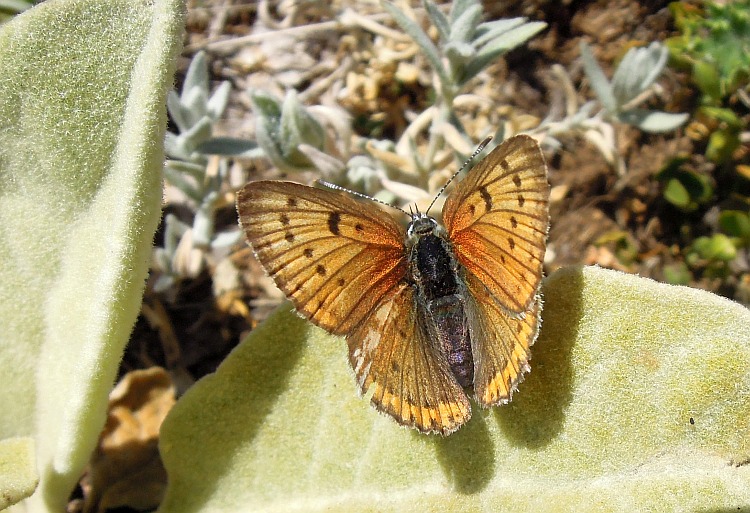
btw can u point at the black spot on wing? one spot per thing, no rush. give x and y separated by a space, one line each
486 197
334 218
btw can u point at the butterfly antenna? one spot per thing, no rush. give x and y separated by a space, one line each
359 194
463 166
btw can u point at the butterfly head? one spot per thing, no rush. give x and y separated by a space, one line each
421 225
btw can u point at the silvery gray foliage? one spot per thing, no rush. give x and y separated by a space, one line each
466 44
282 126
291 136
194 111
617 101
636 73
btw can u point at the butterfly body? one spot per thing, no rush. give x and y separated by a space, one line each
431 313
434 273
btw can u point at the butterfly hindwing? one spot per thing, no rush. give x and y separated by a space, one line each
497 219
392 353
500 344
335 258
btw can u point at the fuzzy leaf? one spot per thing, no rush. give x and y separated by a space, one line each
226 146
491 29
218 101
598 79
298 127
18 475
638 397
196 78
438 19
637 71
653 121
458 7
418 36
82 120
504 42
463 27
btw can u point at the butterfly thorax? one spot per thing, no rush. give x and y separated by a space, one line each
434 272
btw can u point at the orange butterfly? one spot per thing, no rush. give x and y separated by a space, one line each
428 311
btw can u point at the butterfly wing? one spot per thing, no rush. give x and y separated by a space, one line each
392 352
497 219
500 344
335 258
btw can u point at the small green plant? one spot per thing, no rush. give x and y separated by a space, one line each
707 256
293 137
714 46
465 47
619 100
624 246
684 187
736 223
620 97
711 255
194 112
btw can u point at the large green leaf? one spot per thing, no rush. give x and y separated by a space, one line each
82 119
18 476
638 400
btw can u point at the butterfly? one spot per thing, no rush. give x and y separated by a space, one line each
431 312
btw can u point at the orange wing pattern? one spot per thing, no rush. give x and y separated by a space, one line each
335 258
497 220
412 382
500 344
343 264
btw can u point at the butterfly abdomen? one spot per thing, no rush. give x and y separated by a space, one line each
434 271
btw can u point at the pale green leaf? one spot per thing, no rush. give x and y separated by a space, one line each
653 121
598 79
438 19
418 36
637 71
637 400
18 475
82 121
463 27
502 43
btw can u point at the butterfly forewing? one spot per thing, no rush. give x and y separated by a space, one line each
497 220
412 382
334 258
